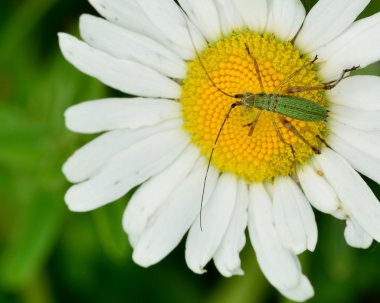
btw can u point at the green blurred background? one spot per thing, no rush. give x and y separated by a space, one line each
48 254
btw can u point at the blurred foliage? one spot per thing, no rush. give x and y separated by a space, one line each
50 255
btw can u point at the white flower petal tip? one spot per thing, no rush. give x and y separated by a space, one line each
87 160
154 193
126 170
201 245
302 292
124 75
168 225
230 270
279 265
355 236
226 258
357 198
109 114
293 216
125 44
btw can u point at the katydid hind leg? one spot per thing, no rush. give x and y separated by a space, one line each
325 86
288 125
282 139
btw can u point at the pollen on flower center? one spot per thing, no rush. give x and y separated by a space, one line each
263 155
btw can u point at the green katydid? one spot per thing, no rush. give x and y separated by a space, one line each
285 105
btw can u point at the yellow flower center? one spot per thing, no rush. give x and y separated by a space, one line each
263 155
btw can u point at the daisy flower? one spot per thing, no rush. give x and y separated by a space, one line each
267 171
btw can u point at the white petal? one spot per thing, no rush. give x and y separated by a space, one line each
87 160
302 292
124 75
357 198
356 236
279 265
126 170
170 19
285 18
201 245
125 44
293 216
170 223
109 114
155 192
326 21
317 190
129 15
367 142
361 119
254 13
229 15
360 92
359 160
226 258
205 16
359 45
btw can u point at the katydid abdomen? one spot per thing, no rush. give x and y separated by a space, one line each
289 106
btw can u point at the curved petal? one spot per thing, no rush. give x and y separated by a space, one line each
167 16
125 44
359 160
127 14
124 75
357 198
226 258
317 190
279 265
254 13
126 170
154 193
167 227
326 21
87 160
201 245
361 119
359 92
205 16
302 292
293 216
355 236
108 114
364 141
285 18
229 15
358 45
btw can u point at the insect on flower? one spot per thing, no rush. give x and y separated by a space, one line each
285 105
251 110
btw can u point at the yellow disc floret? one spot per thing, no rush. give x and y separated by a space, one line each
263 155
